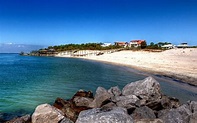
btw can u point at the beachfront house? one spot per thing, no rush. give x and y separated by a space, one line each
168 46
106 44
182 45
136 43
122 44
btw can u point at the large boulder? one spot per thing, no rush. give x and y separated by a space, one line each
69 109
114 91
171 116
193 109
169 102
46 113
82 101
102 97
147 89
193 106
23 119
143 113
82 93
98 115
83 98
193 118
66 120
185 112
126 101
149 121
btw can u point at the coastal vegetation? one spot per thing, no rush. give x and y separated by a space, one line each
54 50
87 46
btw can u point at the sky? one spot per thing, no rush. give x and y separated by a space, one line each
56 22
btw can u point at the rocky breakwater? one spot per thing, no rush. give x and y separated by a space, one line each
138 102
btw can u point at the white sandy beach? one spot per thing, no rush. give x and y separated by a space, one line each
178 63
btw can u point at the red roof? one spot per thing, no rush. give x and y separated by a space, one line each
138 41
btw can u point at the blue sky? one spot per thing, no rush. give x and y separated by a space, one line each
54 22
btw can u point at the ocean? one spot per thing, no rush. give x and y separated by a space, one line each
27 81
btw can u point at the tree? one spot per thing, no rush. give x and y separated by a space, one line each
143 45
152 44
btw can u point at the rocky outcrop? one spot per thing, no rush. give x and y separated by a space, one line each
143 113
98 115
101 97
139 102
46 113
72 108
23 119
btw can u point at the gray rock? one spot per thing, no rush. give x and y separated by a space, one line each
153 104
109 105
97 115
66 120
193 109
126 101
171 116
185 112
114 91
100 91
149 121
46 113
193 118
193 106
23 119
169 102
101 97
69 109
148 89
82 101
142 113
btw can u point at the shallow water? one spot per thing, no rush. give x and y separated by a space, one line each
26 82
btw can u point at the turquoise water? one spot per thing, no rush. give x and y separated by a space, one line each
26 82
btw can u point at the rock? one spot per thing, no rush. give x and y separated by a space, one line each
100 91
23 119
101 98
66 120
126 101
69 109
143 113
154 104
169 102
46 113
193 106
66 107
193 109
82 93
193 118
148 89
97 115
149 121
171 116
185 112
82 101
114 91
109 105
61 103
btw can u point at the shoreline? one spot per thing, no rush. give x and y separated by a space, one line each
178 64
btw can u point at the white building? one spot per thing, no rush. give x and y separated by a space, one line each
168 46
106 44
183 45
136 43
